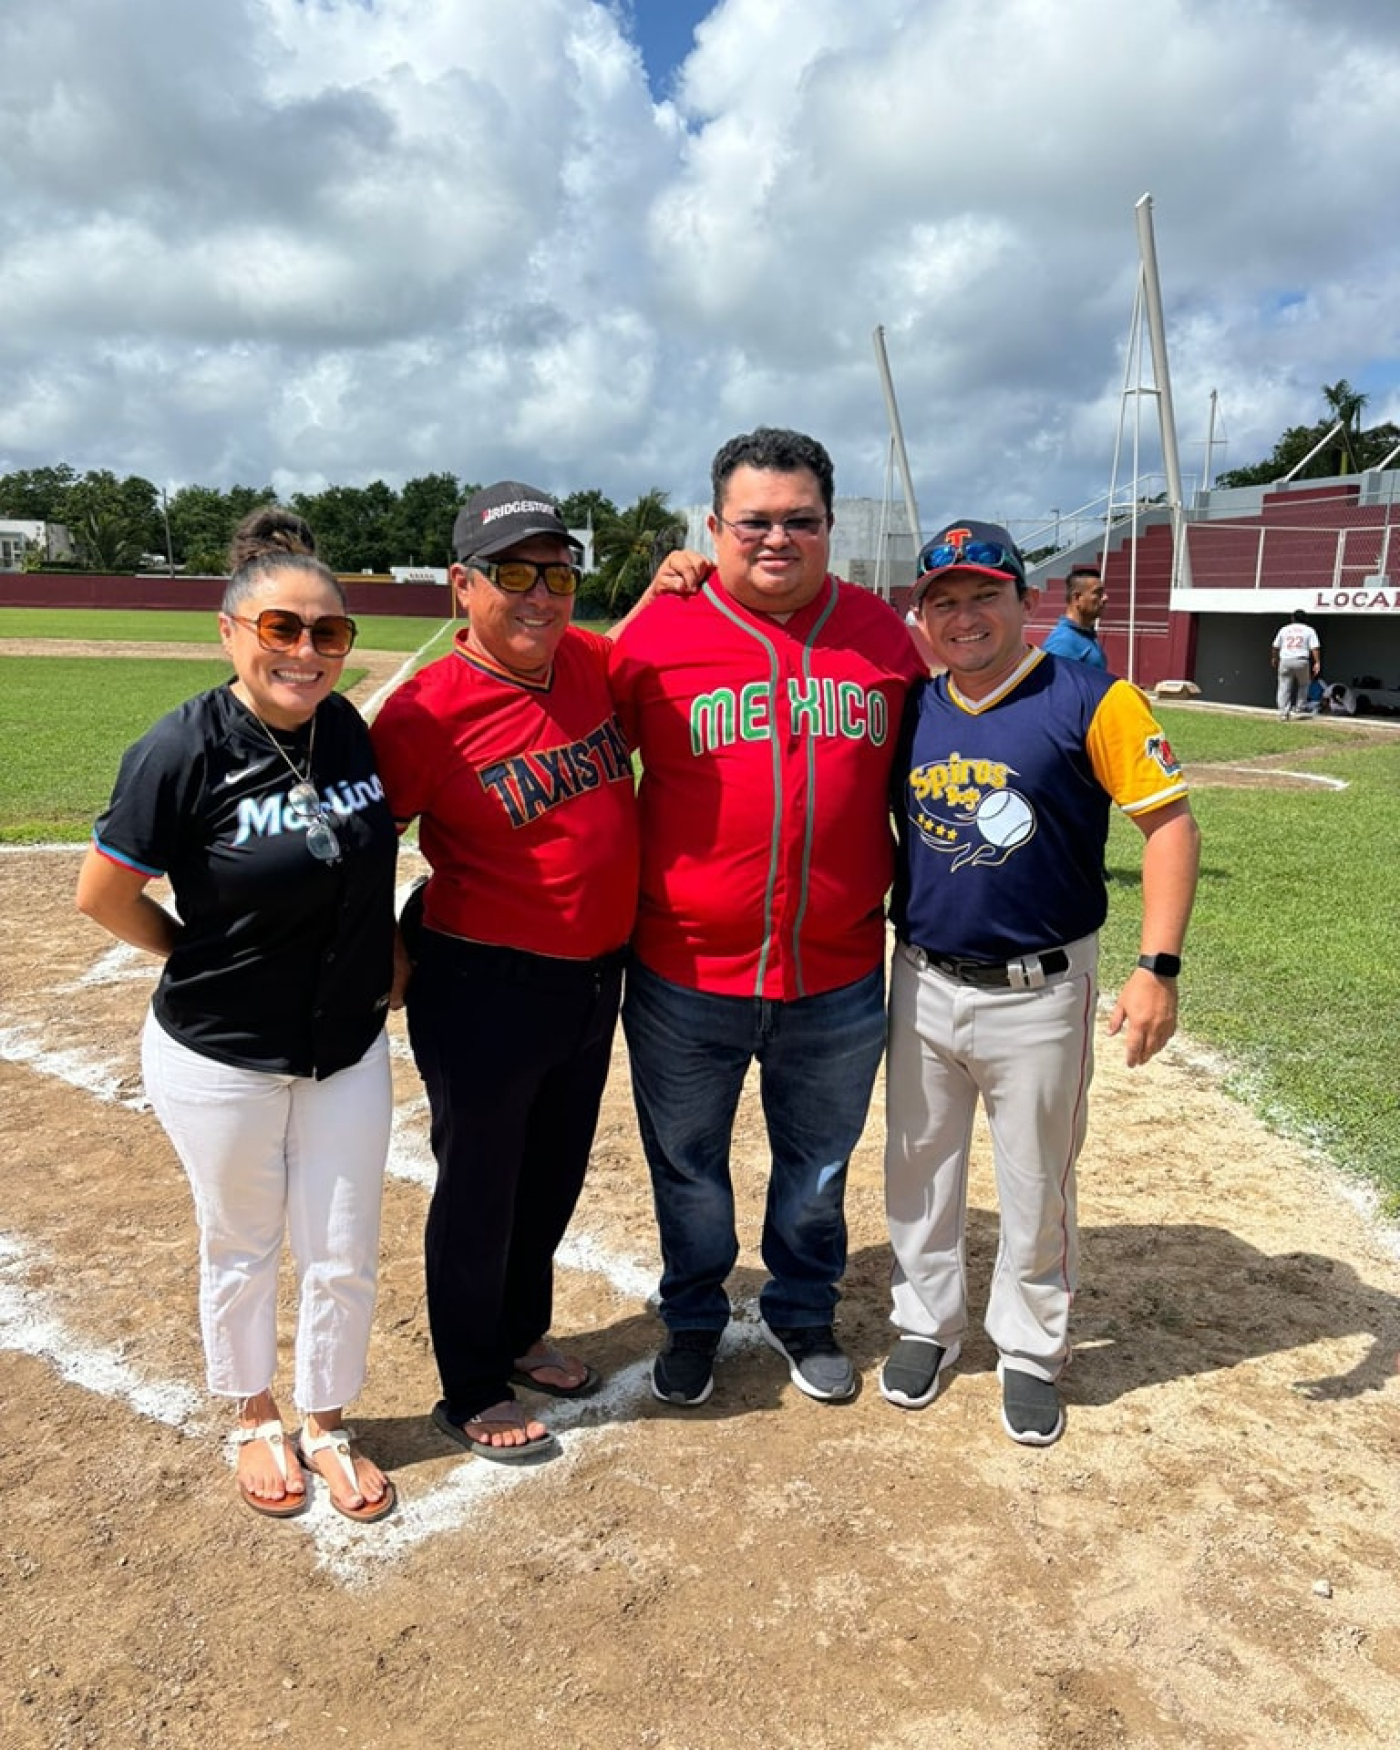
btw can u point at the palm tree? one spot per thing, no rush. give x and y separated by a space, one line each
630 544
1346 404
106 540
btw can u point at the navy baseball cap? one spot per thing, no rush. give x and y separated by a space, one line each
983 548
496 518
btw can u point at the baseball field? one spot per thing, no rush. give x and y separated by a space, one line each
1207 1558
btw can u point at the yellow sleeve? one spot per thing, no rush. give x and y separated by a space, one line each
1130 755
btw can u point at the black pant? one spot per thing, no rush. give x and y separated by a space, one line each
514 1050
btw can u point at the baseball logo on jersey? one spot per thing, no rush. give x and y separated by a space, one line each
1159 750
966 809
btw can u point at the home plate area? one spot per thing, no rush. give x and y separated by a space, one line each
1207 1557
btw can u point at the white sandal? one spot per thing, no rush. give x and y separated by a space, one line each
280 1506
337 1441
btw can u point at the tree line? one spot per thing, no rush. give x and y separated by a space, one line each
122 525
1348 449
119 525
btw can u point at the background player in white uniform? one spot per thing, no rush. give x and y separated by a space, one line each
1010 764
1297 656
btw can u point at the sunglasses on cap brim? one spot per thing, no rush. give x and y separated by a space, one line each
991 555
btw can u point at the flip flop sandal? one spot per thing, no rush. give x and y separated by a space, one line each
529 1365
284 1506
337 1442
508 1414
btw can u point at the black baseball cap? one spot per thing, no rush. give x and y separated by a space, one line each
496 518
967 545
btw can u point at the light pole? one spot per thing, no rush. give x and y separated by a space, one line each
165 518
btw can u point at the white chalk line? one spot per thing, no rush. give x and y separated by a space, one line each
30 1328
354 1554
75 1066
1280 772
401 674
349 1551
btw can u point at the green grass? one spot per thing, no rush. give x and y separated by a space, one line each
1199 735
158 626
64 723
1289 961
1289 970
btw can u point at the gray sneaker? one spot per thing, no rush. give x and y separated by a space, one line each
1031 1412
817 1364
911 1375
684 1371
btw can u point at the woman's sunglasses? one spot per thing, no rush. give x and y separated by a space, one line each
280 630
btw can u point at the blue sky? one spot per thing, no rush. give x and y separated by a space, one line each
664 31
275 243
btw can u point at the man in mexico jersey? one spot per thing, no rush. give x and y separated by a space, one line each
766 713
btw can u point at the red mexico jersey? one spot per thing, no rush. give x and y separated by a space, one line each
766 751
524 796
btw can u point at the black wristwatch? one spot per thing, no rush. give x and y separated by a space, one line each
1164 965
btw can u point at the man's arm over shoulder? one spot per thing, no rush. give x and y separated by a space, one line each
680 573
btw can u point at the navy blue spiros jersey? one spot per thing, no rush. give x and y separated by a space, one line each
1002 806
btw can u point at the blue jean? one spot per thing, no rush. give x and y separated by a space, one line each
817 1059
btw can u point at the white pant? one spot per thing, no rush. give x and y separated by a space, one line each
1029 1055
267 1154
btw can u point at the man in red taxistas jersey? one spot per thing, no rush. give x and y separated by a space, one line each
509 754
766 710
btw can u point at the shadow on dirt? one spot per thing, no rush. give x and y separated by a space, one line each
1156 1303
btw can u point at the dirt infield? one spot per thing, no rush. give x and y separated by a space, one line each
1208 1558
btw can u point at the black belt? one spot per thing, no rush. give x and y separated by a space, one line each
1028 972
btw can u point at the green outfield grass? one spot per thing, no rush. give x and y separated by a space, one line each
64 722
1289 970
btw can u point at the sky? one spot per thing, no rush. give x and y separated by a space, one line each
321 242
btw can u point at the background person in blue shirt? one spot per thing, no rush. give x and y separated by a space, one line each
1074 634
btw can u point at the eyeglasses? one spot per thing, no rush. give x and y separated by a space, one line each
987 553
281 630
519 576
750 530
310 811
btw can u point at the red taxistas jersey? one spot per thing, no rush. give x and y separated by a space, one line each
766 750
525 798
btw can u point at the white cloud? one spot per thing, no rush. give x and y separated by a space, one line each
316 241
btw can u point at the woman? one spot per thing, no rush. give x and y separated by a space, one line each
264 1052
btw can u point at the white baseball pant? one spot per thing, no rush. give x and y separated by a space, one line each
268 1154
1029 1056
